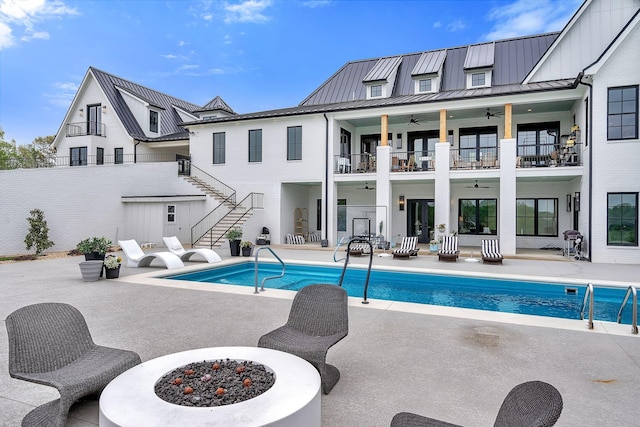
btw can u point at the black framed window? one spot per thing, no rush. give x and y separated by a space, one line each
99 156
219 148
255 145
342 214
77 156
478 79
622 219
294 143
478 142
171 213
537 217
118 155
538 139
376 90
622 113
94 120
477 216
153 121
424 85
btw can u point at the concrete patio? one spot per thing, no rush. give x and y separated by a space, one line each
452 364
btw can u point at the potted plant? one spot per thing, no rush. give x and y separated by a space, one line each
246 248
234 235
112 266
94 248
91 270
433 246
442 227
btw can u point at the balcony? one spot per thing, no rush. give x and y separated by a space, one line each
85 128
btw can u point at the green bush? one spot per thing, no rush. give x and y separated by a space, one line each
234 233
94 244
38 235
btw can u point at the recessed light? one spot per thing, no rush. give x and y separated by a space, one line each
529 110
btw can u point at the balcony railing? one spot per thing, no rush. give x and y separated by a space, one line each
355 163
410 161
474 158
549 155
107 159
86 128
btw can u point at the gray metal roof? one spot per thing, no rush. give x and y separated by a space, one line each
216 103
170 120
513 58
480 56
383 69
429 62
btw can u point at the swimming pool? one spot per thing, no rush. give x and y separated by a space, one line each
491 294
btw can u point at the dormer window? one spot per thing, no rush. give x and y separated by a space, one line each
478 65
427 73
153 121
478 79
424 85
380 79
376 91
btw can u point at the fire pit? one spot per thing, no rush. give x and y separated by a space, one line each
283 390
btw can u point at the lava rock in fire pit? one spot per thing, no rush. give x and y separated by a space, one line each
205 380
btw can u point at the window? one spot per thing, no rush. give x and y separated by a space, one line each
318 214
478 216
622 113
171 213
622 219
219 139
94 120
255 145
537 217
342 214
376 91
294 143
78 156
118 156
538 139
99 156
153 121
478 142
478 79
425 85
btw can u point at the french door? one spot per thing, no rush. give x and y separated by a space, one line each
420 218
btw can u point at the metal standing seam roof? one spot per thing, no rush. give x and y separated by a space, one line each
383 69
480 56
429 63
216 103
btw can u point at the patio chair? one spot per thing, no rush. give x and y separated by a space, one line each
530 404
491 251
449 250
175 247
318 319
137 258
50 344
407 247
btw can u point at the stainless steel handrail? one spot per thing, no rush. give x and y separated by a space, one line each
634 307
346 262
255 281
588 294
336 251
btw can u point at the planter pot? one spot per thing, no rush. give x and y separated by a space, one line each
91 270
433 248
112 273
94 256
234 246
246 251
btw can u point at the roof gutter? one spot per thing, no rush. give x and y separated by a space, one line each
590 142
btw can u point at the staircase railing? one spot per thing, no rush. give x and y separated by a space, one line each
226 192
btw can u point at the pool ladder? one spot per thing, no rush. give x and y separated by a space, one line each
631 292
346 263
255 269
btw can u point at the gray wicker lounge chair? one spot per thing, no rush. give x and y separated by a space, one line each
318 319
530 404
50 344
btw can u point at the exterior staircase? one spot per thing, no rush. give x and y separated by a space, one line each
210 231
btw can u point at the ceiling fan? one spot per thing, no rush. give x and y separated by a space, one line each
366 187
489 114
476 185
414 120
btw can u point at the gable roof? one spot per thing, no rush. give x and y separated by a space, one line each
216 103
383 69
512 60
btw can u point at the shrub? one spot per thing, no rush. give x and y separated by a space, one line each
38 235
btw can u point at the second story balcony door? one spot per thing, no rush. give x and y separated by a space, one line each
94 120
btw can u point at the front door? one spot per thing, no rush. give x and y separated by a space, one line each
420 218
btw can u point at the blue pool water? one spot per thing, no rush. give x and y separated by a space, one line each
536 298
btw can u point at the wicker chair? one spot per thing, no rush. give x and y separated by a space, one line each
50 344
318 319
530 404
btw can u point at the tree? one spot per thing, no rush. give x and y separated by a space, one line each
38 154
38 235
8 153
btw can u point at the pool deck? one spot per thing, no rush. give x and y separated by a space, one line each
452 364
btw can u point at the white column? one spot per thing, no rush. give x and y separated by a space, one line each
442 187
331 200
383 190
507 209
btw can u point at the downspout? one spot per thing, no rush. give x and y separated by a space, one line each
135 152
590 138
326 177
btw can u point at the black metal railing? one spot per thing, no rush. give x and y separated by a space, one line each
549 155
408 161
86 128
474 158
355 163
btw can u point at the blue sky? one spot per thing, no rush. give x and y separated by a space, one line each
256 54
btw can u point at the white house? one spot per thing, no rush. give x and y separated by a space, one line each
517 140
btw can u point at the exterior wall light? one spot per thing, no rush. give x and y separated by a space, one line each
576 201
401 203
568 202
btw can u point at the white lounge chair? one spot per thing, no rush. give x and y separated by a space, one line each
175 247
137 258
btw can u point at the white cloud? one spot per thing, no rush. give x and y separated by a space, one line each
316 3
524 17
247 11
62 94
28 14
437 24
456 25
